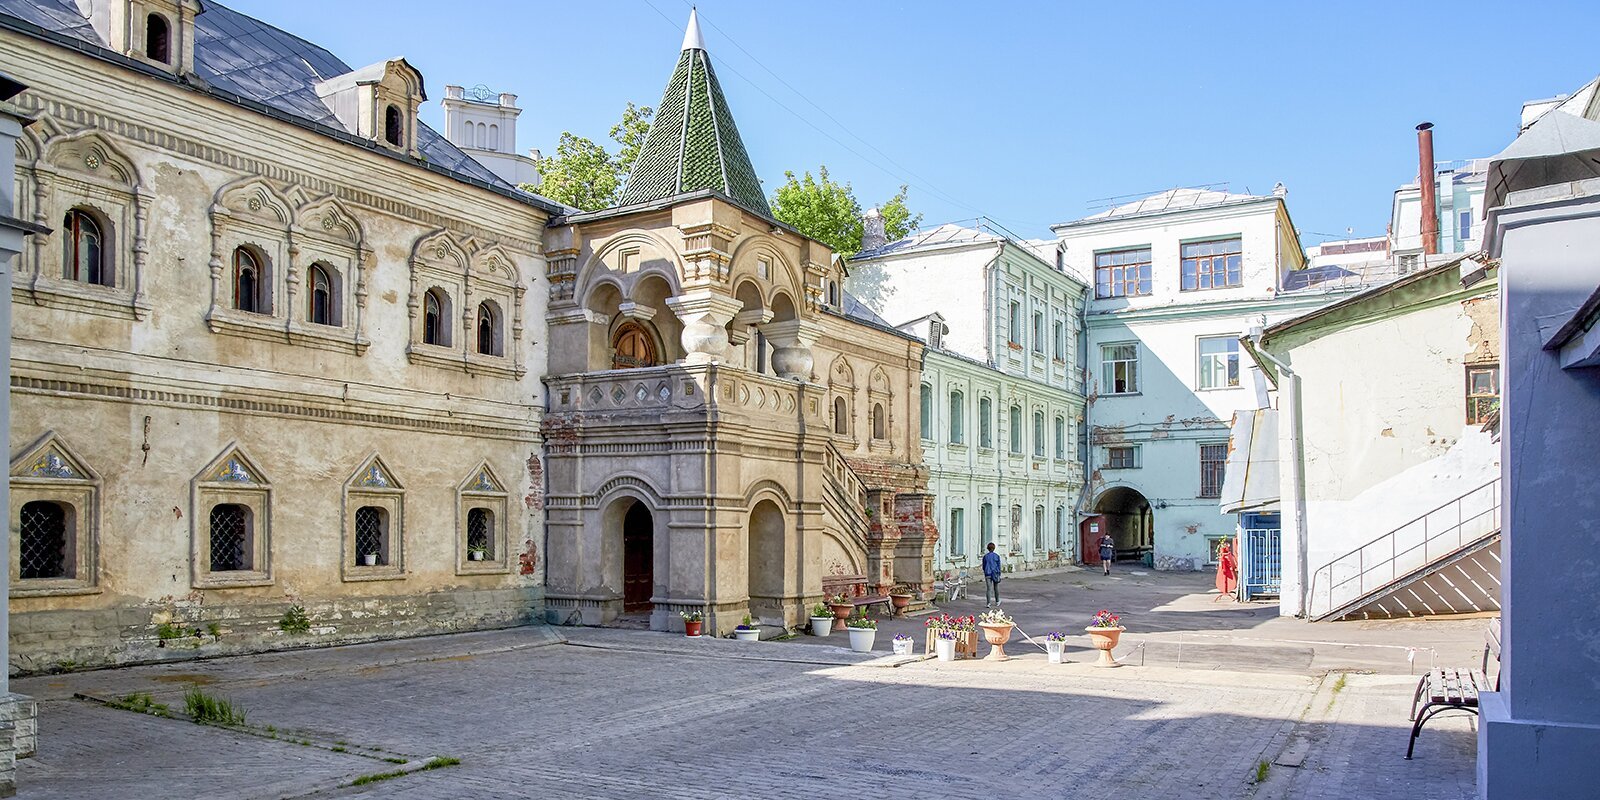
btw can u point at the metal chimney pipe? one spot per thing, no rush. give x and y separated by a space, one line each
1428 181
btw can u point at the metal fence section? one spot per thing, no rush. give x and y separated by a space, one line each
1261 562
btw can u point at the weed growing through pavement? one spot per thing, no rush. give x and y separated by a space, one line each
1262 768
208 710
433 763
142 703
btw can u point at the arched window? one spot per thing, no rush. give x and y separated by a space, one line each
42 549
1016 430
249 287
927 413
494 137
372 536
833 293
985 422
321 300
958 413
84 255
435 312
480 544
157 39
841 423
1061 438
232 542
488 329
1038 434
393 126
878 431
633 347
985 526
1038 527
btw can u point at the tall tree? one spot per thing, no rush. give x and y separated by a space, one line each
828 211
583 174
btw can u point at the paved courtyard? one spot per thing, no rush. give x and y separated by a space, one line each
590 713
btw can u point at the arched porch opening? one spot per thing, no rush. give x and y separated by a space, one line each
1128 518
631 522
766 561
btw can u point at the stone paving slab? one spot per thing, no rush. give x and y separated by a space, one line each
640 714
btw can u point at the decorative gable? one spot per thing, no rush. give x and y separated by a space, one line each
482 480
374 475
49 458
233 467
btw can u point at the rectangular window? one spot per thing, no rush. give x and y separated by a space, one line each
927 415
1483 392
957 531
1219 362
1213 460
1212 265
1120 366
1122 457
1016 430
1038 332
1464 226
958 412
1122 273
1061 342
1014 325
985 423
1038 528
1038 434
1061 438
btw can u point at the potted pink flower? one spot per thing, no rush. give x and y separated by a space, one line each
996 627
1104 631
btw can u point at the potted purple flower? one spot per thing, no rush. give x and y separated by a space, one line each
1054 643
902 644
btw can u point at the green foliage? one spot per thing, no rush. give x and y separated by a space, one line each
295 620
1262 768
583 174
167 631
142 703
205 709
826 210
862 621
214 629
433 763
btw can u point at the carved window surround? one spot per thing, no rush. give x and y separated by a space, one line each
468 273
49 471
233 478
483 490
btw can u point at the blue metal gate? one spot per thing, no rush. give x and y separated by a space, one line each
1260 556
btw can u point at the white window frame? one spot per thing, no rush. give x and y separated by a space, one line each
1108 368
1209 365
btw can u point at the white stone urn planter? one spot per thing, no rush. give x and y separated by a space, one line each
861 638
747 634
821 626
944 649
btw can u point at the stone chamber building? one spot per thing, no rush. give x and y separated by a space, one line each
727 430
264 401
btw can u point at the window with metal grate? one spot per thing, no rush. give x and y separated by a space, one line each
42 548
230 537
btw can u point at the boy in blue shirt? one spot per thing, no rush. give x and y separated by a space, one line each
991 578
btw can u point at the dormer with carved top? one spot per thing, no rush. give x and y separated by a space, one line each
378 102
158 32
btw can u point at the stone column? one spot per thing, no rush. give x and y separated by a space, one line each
791 341
705 316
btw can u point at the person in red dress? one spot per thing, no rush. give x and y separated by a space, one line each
1227 570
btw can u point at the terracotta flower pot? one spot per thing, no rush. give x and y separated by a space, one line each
1104 639
692 627
996 636
841 612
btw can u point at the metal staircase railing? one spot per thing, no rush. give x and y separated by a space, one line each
1355 576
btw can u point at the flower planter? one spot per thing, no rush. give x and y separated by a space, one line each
944 649
1104 639
900 602
475 555
841 612
966 643
996 636
692 627
1053 651
747 634
861 639
902 647
821 626
370 559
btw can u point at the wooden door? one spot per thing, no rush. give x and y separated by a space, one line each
1089 539
638 559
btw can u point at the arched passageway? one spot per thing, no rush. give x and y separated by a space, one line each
1127 516
638 558
766 560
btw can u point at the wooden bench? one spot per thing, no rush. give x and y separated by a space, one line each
1446 690
854 588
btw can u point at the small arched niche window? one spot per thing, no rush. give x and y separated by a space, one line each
435 310
157 39
841 423
372 536
249 282
633 347
83 257
480 542
45 540
393 126
833 294
320 311
878 430
488 329
232 537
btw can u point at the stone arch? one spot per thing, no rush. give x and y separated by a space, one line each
769 489
752 249
92 153
632 520
442 245
327 216
1128 515
253 197
840 374
878 381
494 261
596 266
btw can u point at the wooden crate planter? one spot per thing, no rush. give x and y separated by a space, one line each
966 643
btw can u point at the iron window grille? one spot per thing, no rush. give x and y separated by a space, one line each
371 532
1213 464
479 522
230 538
42 547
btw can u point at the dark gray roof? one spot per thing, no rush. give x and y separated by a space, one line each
855 309
240 55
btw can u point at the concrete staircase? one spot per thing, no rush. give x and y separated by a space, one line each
1446 561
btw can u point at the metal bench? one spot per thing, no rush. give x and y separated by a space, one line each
1446 690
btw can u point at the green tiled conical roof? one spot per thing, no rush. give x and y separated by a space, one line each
693 143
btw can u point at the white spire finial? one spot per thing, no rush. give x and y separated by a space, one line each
691 35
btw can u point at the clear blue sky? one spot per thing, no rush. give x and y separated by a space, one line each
1025 112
